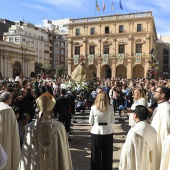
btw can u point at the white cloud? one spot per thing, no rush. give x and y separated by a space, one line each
39 7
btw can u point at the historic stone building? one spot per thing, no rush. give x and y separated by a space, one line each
16 60
114 45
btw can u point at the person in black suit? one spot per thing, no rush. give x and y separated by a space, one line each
63 107
130 95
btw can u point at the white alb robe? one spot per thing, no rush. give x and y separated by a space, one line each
140 149
9 136
165 158
59 154
161 123
3 157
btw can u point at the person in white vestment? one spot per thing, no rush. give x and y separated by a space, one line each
102 118
140 151
165 156
3 157
9 136
45 145
160 119
139 99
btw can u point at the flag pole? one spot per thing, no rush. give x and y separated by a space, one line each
95 7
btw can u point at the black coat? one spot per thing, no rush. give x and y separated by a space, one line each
63 105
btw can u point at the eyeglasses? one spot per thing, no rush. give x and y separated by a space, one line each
157 92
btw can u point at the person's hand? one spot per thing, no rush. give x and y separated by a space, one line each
128 110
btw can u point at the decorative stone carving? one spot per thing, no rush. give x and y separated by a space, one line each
130 37
84 39
147 36
69 41
121 42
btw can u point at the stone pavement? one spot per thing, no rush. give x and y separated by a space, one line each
80 144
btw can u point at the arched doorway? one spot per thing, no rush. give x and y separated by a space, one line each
106 71
16 69
121 71
138 71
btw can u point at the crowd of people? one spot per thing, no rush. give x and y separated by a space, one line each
145 102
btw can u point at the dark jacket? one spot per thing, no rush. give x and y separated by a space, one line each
63 105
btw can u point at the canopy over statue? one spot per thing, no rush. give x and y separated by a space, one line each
81 73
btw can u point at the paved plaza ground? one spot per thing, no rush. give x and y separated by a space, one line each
80 144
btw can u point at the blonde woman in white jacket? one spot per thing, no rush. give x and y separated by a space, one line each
102 118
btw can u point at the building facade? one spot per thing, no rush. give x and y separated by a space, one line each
16 60
4 26
114 45
163 55
60 45
30 36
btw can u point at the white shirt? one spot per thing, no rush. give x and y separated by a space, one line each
102 117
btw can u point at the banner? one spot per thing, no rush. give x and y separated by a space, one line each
105 58
90 58
138 57
76 59
120 58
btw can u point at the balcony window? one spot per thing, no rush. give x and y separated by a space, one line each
138 48
121 28
92 50
77 51
121 49
92 30
77 31
139 27
106 49
106 30
11 39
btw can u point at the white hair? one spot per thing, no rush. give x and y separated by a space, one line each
4 96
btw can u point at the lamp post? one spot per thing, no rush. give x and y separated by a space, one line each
153 65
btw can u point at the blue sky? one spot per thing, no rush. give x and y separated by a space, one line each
35 11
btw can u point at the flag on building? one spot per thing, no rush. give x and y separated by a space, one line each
120 3
104 7
112 6
97 6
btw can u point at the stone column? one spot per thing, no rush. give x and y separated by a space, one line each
69 66
129 69
146 67
99 68
70 57
113 68
84 47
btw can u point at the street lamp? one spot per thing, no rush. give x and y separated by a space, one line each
153 67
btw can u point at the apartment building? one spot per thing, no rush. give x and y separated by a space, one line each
113 45
30 36
163 54
60 44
